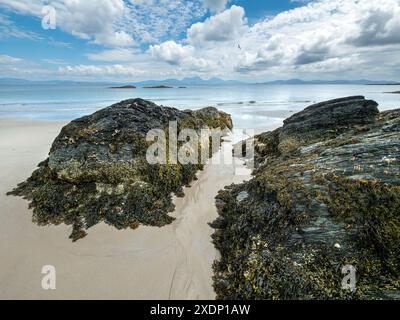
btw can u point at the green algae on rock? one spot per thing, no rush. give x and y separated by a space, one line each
325 194
97 169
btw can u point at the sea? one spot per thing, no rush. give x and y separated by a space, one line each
252 106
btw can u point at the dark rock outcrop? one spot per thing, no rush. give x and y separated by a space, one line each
97 169
158 87
335 115
325 195
124 87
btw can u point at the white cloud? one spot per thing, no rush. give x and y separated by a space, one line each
216 5
378 24
16 67
119 54
321 36
119 22
120 72
321 39
150 20
107 70
8 29
180 55
24 6
88 19
9 60
171 52
227 25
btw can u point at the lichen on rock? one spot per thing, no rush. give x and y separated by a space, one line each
97 169
325 194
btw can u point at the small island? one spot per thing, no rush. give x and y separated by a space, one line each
158 87
124 87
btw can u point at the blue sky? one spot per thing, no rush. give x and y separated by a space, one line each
132 40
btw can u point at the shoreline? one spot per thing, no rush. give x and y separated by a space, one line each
172 262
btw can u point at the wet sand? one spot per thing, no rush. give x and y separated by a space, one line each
173 262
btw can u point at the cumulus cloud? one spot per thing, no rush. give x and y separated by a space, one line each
216 5
171 52
378 24
357 38
227 25
180 55
322 34
120 22
88 19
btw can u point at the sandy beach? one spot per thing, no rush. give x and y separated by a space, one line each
173 262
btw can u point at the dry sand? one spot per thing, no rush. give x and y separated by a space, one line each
173 262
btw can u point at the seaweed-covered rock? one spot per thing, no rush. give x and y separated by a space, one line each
97 169
325 196
331 116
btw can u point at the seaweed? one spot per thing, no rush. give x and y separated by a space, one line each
319 200
97 169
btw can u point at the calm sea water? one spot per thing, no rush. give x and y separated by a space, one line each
251 106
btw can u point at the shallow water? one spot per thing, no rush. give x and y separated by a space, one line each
193 248
251 106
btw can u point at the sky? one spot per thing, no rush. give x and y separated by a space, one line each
248 40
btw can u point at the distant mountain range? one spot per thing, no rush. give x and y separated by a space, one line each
193 81
364 82
197 81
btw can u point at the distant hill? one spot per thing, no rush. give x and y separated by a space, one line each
192 81
363 82
13 81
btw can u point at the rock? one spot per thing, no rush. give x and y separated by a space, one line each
97 169
325 194
124 87
334 115
158 87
